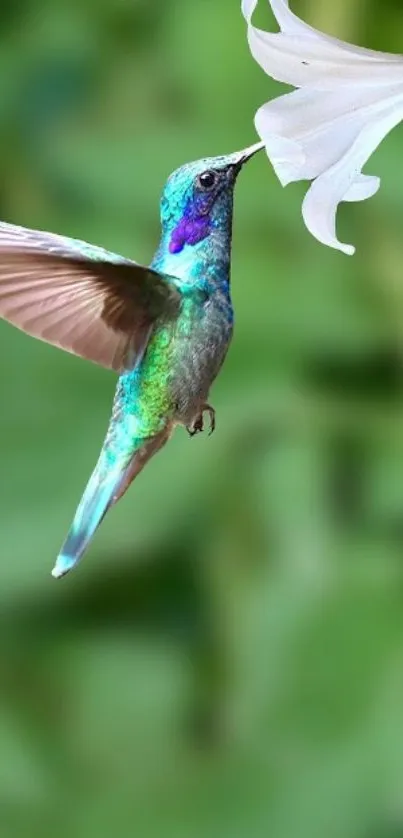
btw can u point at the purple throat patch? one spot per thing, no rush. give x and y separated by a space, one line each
189 231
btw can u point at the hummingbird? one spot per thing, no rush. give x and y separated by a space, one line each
165 328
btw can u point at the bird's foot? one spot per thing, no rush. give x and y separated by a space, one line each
197 426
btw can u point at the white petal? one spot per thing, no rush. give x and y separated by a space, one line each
248 7
285 155
320 125
319 209
348 99
321 201
300 55
365 186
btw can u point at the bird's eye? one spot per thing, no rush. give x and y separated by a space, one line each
207 180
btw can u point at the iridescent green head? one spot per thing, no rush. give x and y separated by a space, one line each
197 198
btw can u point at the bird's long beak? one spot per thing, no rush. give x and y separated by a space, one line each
247 153
240 157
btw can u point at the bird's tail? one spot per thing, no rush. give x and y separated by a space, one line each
106 485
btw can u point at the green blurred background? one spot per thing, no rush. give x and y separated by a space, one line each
228 660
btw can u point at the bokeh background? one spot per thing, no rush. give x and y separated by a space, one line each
227 662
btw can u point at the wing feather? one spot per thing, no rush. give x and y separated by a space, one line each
80 297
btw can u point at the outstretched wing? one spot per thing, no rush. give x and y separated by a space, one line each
80 297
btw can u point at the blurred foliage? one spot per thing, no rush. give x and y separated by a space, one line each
227 662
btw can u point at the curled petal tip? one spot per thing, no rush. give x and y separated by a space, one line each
319 214
248 7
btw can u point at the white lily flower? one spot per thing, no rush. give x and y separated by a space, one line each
348 100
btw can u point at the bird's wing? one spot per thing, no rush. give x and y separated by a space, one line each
81 297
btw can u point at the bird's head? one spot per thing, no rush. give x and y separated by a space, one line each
197 198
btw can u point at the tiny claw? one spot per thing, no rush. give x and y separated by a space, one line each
197 425
211 412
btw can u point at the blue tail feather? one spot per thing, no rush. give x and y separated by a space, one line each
106 485
97 498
